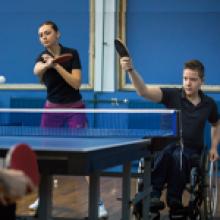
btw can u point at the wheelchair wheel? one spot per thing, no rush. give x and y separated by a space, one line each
209 192
213 186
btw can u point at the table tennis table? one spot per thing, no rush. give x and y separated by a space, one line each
85 152
84 157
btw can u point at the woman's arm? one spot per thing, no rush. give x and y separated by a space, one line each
41 67
73 78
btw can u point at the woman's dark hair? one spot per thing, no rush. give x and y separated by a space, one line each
52 24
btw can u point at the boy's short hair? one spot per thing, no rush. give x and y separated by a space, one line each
196 65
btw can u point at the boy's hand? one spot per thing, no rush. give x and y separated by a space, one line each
126 64
213 154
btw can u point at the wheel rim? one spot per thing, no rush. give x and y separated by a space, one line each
213 186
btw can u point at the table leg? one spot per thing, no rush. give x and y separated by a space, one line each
147 185
45 195
94 195
126 185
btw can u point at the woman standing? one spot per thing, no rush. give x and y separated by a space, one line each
61 80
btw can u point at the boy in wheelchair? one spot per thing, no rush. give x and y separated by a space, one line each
196 187
173 164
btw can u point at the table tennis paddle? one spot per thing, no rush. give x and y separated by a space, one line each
121 48
63 58
22 157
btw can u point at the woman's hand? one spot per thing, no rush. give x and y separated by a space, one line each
48 60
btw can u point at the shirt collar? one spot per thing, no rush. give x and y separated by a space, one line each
201 94
62 50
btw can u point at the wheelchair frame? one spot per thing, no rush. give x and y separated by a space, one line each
203 193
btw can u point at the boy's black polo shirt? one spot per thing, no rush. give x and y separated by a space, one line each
194 117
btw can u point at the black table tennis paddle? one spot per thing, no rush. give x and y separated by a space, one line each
121 48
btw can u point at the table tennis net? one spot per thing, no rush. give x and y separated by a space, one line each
100 122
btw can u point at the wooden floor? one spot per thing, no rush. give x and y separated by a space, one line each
70 198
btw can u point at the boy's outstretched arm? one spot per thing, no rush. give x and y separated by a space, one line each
151 93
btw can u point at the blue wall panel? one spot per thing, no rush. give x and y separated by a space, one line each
162 35
19 22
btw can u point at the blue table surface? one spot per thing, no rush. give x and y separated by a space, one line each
75 140
63 144
67 139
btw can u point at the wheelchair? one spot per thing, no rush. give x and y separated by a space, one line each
202 189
